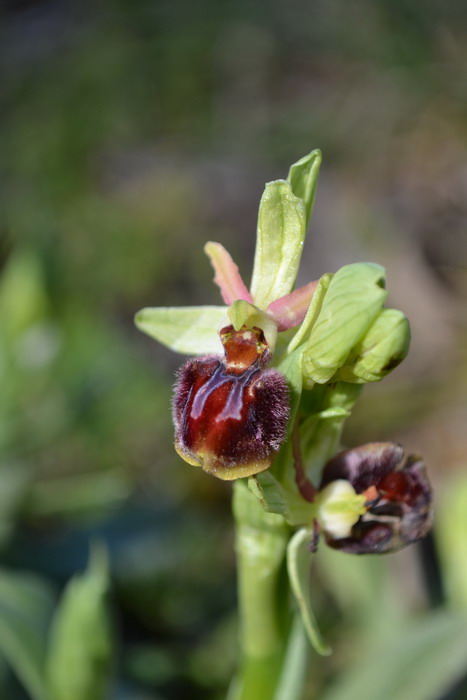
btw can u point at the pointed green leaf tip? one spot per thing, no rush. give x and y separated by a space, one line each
80 648
190 330
354 298
303 178
280 235
298 567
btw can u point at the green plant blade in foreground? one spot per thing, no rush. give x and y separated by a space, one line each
281 231
419 663
190 330
80 643
298 567
25 607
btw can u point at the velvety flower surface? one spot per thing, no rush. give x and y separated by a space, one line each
231 413
397 506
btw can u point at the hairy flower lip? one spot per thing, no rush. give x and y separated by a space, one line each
231 413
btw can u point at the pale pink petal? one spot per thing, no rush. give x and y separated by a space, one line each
290 310
227 276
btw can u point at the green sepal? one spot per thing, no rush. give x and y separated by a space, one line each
303 177
280 235
242 313
382 349
354 298
298 567
80 648
190 330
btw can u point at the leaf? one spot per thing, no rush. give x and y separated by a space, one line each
80 642
227 276
190 330
303 178
451 536
26 604
355 297
421 662
298 566
280 235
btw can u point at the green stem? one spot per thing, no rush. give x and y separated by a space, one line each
321 435
261 540
295 666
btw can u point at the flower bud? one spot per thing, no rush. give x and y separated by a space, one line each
397 507
230 413
353 300
382 349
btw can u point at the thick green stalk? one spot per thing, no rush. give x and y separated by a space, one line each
261 540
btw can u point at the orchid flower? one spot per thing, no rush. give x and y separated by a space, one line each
275 373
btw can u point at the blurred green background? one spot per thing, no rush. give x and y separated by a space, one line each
131 133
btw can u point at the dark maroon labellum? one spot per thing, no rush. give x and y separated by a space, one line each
230 413
398 493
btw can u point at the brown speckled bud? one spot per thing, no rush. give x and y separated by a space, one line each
398 493
230 413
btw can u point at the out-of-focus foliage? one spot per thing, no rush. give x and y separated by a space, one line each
131 133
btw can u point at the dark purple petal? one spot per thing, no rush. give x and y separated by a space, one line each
366 538
363 466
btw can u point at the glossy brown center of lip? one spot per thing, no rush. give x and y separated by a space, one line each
243 348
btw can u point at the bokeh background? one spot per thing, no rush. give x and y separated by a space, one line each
131 133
